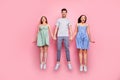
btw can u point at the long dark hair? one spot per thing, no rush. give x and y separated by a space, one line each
41 20
79 19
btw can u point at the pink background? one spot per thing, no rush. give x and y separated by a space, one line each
19 57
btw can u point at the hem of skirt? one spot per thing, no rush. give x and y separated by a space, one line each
82 48
42 45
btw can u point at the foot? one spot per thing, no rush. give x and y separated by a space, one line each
57 66
44 66
81 68
85 68
41 66
69 66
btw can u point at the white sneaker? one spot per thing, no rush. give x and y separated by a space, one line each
44 66
57 66
81 68
41 66
69 66
85 68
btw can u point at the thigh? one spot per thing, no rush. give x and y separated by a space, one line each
85 51
45 48
59 42
66 41
80 50
41 49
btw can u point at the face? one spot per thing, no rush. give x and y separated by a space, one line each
83 18
43 19
64 13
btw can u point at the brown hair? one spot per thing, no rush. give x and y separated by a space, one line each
41 19
79 19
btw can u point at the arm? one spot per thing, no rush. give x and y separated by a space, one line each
56 29
55 33
75 32
70 28
50 31
89 35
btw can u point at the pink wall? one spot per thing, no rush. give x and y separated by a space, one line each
19 57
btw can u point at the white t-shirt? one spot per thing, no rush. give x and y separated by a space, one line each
63 25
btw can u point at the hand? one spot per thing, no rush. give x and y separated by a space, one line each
92 41
71 38
34 41
54 37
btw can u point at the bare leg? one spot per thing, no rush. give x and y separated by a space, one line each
80 56
85 60
45 56
41 54
41 57
80 59
85 57
45 53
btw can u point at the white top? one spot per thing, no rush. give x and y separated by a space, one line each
63 25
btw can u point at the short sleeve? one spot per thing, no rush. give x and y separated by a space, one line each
57 23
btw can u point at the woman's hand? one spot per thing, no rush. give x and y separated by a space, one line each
54 37
34 41
92 41
71 38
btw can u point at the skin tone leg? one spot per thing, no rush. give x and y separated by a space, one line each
85 57
80 56
45 53
41 54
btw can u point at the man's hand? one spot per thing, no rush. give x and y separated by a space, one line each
54 37
71 38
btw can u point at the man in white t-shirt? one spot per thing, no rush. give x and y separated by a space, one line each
63 27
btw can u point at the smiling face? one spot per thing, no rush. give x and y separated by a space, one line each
64 13
43 20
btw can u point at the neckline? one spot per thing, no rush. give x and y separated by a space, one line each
63 18
82 26
43 25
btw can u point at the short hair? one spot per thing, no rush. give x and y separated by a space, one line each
79 19
64 9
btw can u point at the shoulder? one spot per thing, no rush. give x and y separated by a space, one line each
77 24
59 19
48 25
39 25
86 24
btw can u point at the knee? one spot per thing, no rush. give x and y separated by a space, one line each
59 49
85 52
